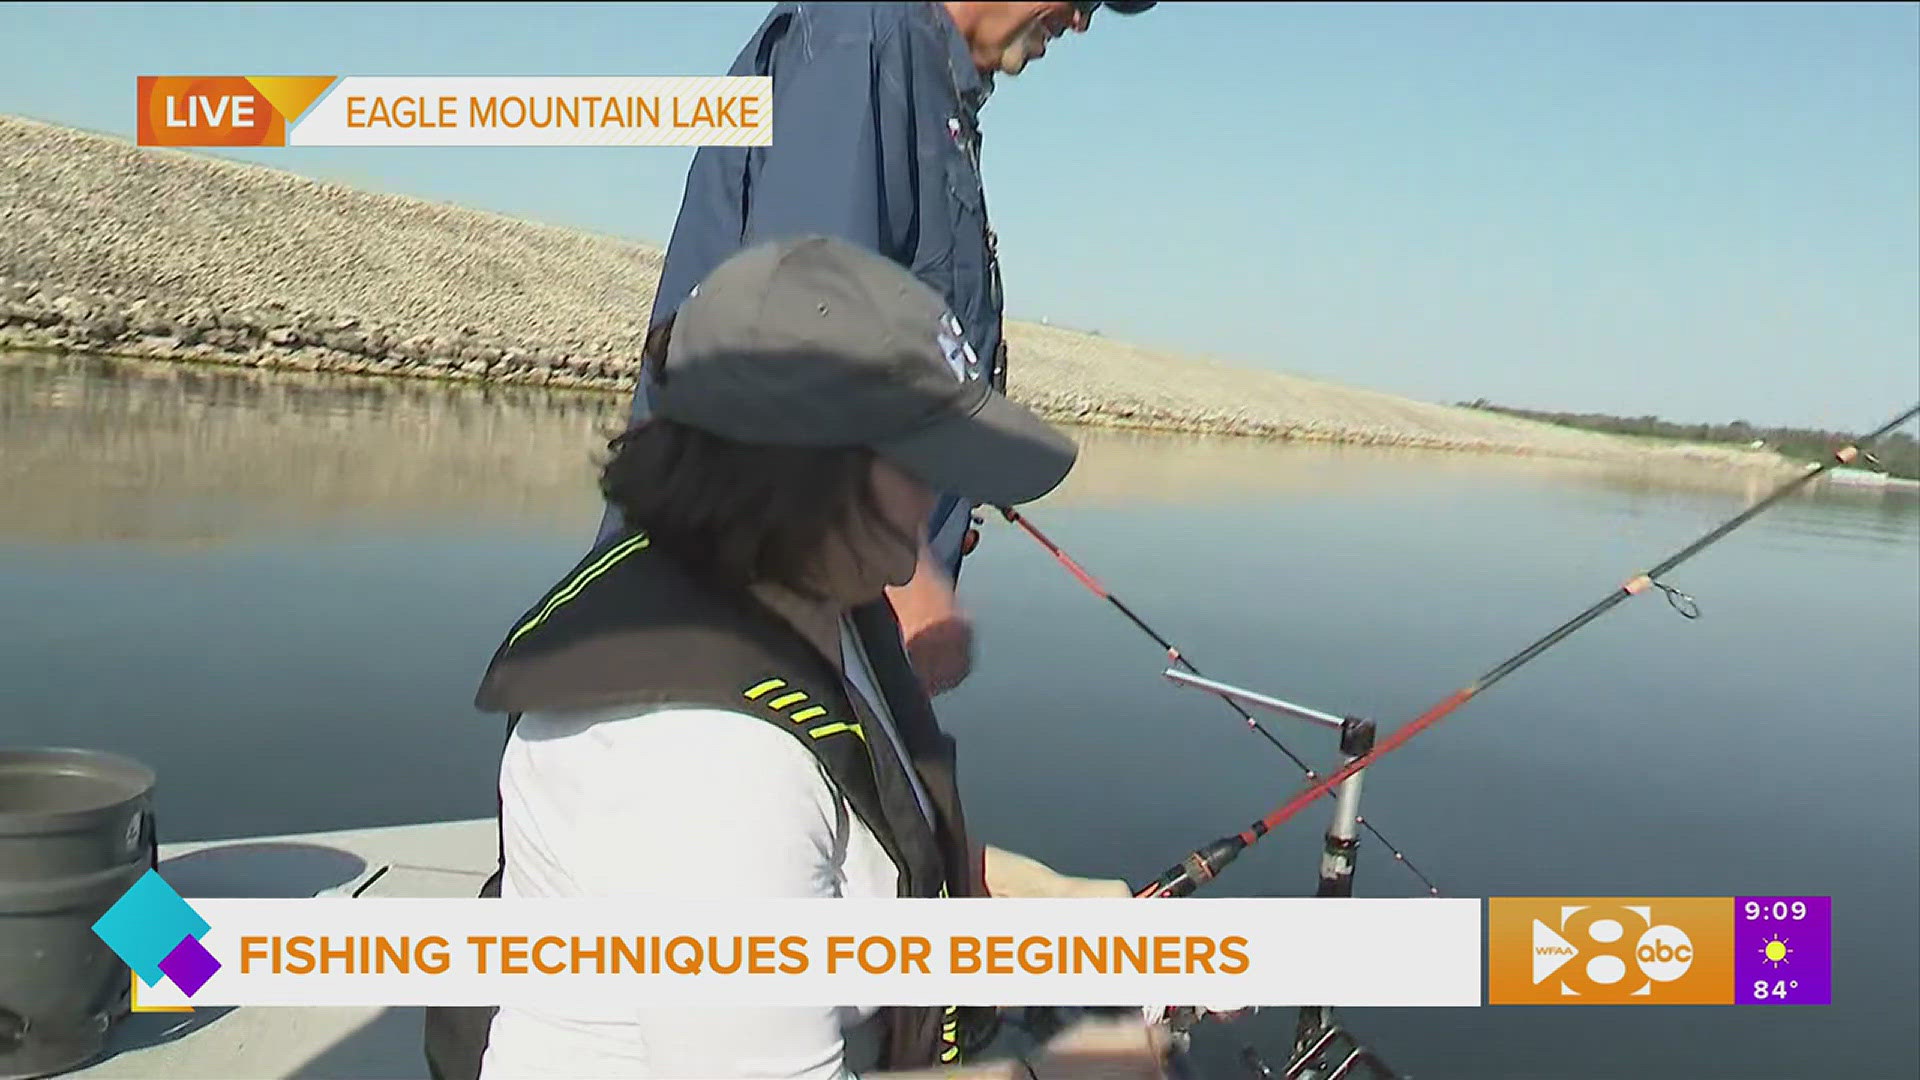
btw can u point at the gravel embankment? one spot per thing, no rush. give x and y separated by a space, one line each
107 247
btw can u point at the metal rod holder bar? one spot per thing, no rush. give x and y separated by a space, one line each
1285 708
1305 1060
1336 874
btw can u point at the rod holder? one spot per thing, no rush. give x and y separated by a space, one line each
1317 1032
1337 860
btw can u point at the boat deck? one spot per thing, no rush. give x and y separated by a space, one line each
449 859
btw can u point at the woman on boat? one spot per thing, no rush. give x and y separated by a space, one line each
715 702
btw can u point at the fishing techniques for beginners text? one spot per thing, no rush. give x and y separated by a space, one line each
792 954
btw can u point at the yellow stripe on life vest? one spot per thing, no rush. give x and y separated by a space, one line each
825 730
580 581
811 712
785 700
755 693
951 1053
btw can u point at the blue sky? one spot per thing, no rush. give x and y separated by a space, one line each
1703 212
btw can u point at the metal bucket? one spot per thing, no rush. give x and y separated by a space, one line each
76 831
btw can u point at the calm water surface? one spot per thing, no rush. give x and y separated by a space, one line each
281 592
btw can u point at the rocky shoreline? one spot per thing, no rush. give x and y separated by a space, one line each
279 336
109 248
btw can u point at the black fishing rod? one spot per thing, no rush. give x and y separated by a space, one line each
1203 864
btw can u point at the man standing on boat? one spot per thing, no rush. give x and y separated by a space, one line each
877 141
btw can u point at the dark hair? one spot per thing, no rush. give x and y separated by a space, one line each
735 513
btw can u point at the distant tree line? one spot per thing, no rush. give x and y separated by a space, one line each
1898 452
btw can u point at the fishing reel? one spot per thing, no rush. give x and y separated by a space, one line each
1323 1049
1039 1024
1329 1052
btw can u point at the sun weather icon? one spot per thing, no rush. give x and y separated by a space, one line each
1775 950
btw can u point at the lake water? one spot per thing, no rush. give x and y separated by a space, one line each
280 592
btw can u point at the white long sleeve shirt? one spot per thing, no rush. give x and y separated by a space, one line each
608 805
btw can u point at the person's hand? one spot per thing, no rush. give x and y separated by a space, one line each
1019 876
938 635
1104 1049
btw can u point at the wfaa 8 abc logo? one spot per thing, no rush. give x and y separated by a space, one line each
1609 951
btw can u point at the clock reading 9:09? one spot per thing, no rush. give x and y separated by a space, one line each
1779 909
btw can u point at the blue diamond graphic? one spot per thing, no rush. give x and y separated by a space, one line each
146 924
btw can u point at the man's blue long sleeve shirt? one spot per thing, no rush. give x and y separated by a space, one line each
875 114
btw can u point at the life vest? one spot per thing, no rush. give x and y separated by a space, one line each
630 627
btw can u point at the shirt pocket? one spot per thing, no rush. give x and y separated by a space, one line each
966 221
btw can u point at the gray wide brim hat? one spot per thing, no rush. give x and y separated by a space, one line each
815 341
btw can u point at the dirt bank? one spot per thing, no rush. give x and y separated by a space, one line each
106 247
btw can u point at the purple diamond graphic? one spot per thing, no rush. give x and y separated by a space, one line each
190 965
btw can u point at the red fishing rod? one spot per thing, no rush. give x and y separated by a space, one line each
1205 863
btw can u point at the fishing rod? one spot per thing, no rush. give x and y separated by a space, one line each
1318 1033
1323 1049
1205 863
1225 693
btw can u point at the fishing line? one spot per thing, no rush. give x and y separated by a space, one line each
1204 863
